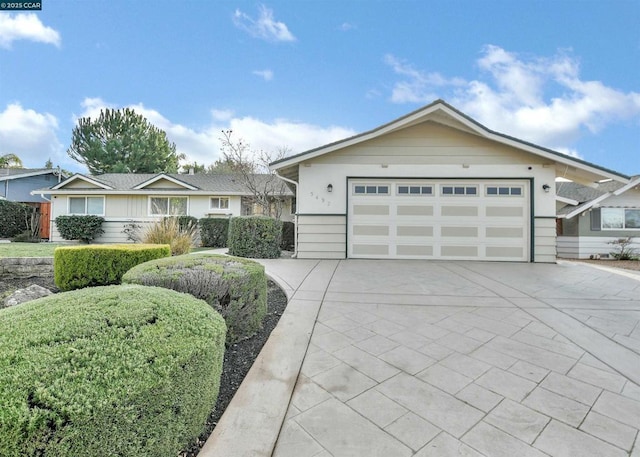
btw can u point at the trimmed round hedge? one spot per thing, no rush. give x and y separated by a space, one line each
235 287
117 370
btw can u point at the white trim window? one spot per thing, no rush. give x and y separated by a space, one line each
620 218
168 206
93 206
219 203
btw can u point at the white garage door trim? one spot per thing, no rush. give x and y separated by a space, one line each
448 219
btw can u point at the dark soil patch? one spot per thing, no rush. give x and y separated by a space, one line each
238 357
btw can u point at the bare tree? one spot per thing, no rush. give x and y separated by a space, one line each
267 190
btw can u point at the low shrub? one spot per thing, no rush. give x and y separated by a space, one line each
169 231
214 231
236 288
624 249
26 237
288 236
255 236
14 218
118 370
82 228
75 267
186 222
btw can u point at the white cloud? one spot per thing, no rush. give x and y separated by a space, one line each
267 75
418 86
539 99
25 26
221 114
264 27
31 136
346 26
203 145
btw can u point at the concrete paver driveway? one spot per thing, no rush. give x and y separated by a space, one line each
412 358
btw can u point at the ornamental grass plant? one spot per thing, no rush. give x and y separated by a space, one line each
181 237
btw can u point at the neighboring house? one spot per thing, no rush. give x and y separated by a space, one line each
590 218
17 184
124 199
434 184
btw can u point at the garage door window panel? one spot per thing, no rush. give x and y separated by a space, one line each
405 190
502 191
369 189
457 190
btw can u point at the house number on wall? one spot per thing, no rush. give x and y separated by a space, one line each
321 199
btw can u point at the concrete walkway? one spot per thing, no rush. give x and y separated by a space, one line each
411 358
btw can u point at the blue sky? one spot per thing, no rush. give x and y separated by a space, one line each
300 74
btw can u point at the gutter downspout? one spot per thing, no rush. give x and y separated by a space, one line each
295 216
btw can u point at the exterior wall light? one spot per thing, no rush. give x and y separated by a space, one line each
546 187
330 188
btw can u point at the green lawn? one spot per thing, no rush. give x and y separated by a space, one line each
28 249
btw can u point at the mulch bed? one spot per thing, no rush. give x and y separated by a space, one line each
238 357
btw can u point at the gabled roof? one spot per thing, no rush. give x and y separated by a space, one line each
7 174
80 177
166 177
590 197
441 112
130 183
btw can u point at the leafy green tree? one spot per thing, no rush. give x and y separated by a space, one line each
122 141
195 167
10 161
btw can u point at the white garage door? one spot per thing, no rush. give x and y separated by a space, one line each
439 219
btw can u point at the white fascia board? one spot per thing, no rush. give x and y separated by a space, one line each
588 205
568 201
631 185
82 178
168 178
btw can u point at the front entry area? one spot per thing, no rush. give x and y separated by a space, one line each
448 219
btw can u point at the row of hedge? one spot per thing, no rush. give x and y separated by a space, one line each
75 267
214 232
